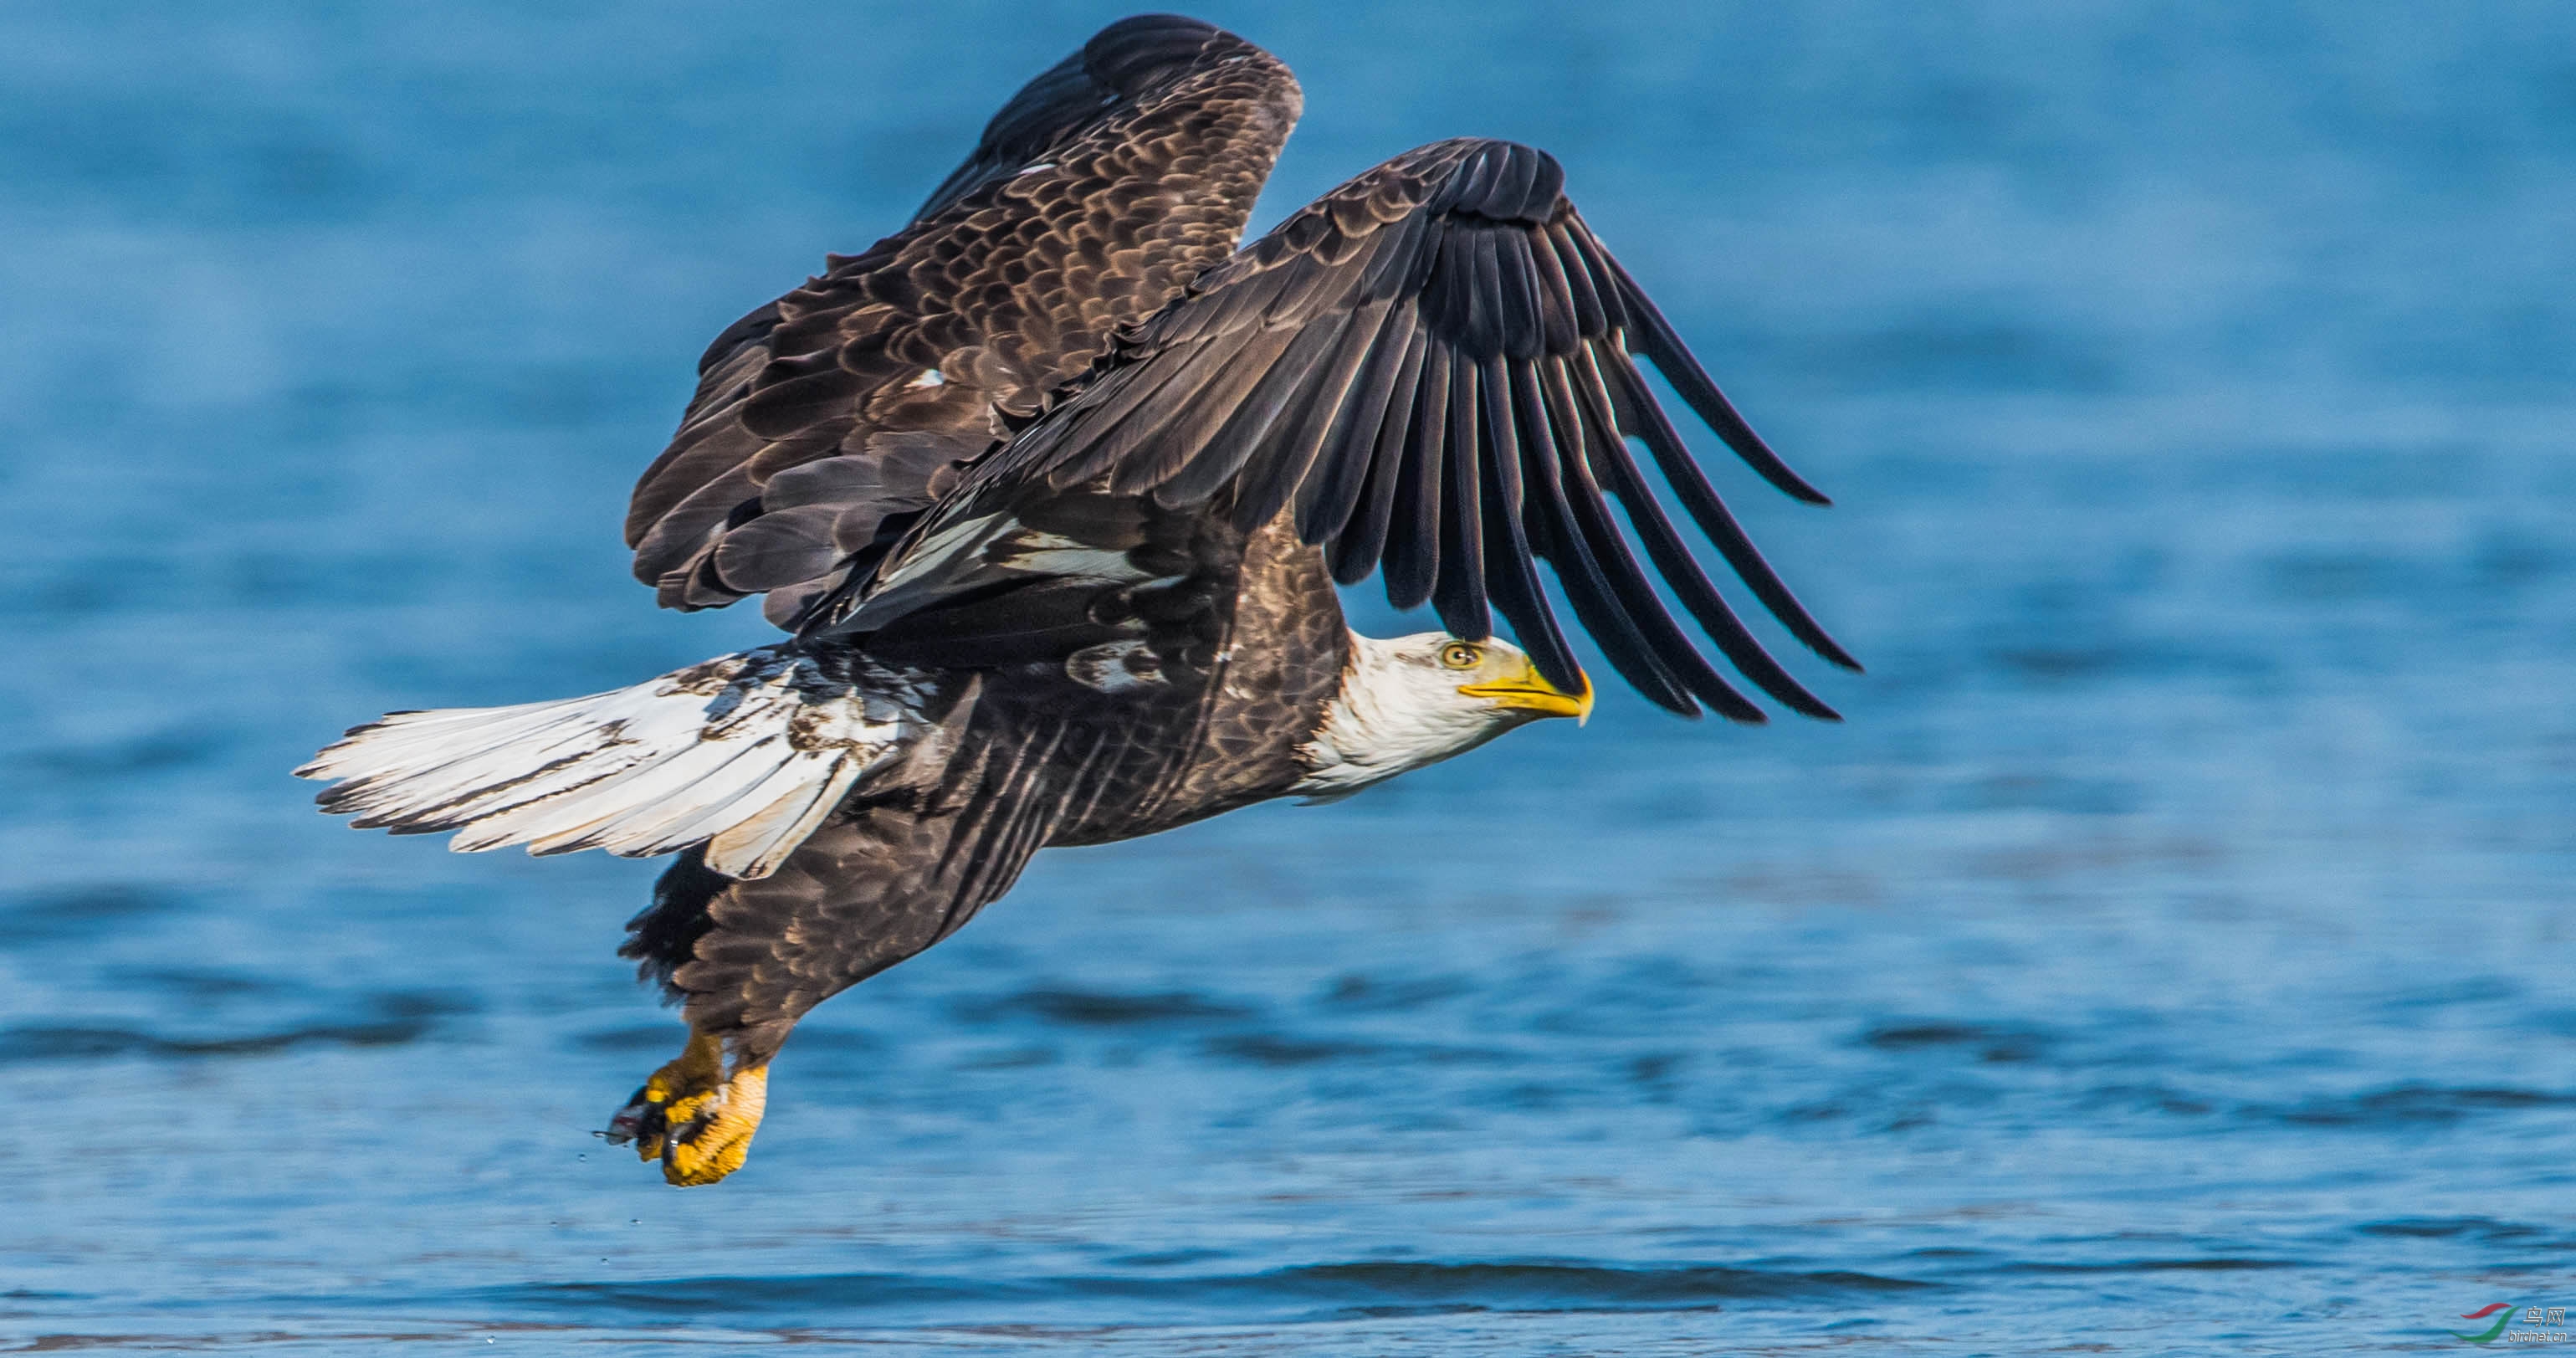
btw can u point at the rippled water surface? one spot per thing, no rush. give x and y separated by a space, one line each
2173 953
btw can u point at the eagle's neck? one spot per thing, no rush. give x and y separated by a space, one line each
1391 716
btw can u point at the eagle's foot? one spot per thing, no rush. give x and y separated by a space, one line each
693 1118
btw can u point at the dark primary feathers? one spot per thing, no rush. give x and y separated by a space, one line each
1431 366
825 421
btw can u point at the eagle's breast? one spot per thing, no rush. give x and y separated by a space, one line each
1278 660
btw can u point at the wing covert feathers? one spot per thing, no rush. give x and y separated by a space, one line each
745 754
825 422
1435 364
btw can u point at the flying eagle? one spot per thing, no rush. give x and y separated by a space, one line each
1051 489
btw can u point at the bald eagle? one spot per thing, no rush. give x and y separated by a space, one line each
1051 490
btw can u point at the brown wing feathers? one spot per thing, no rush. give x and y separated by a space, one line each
1433 365
1118 62
827 419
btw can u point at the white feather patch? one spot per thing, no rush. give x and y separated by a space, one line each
744 754
972 553
1115 666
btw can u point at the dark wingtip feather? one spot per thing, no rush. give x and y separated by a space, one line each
1832 651
1653 336
1639 415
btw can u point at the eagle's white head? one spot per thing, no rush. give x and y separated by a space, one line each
1417 700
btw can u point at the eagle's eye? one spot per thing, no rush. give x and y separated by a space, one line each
1458 655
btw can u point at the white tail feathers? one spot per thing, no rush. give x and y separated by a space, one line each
745 754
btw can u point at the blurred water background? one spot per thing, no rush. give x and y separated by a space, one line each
2173 953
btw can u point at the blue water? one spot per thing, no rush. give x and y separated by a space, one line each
2175 952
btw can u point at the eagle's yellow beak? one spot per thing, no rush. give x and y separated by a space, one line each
1530 689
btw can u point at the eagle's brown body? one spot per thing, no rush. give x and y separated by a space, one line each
1039 759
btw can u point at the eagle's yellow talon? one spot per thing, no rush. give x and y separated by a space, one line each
710 1133
692 1118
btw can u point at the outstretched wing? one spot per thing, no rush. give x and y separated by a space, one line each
826 419
1432 365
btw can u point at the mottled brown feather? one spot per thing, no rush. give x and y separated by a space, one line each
1106 186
